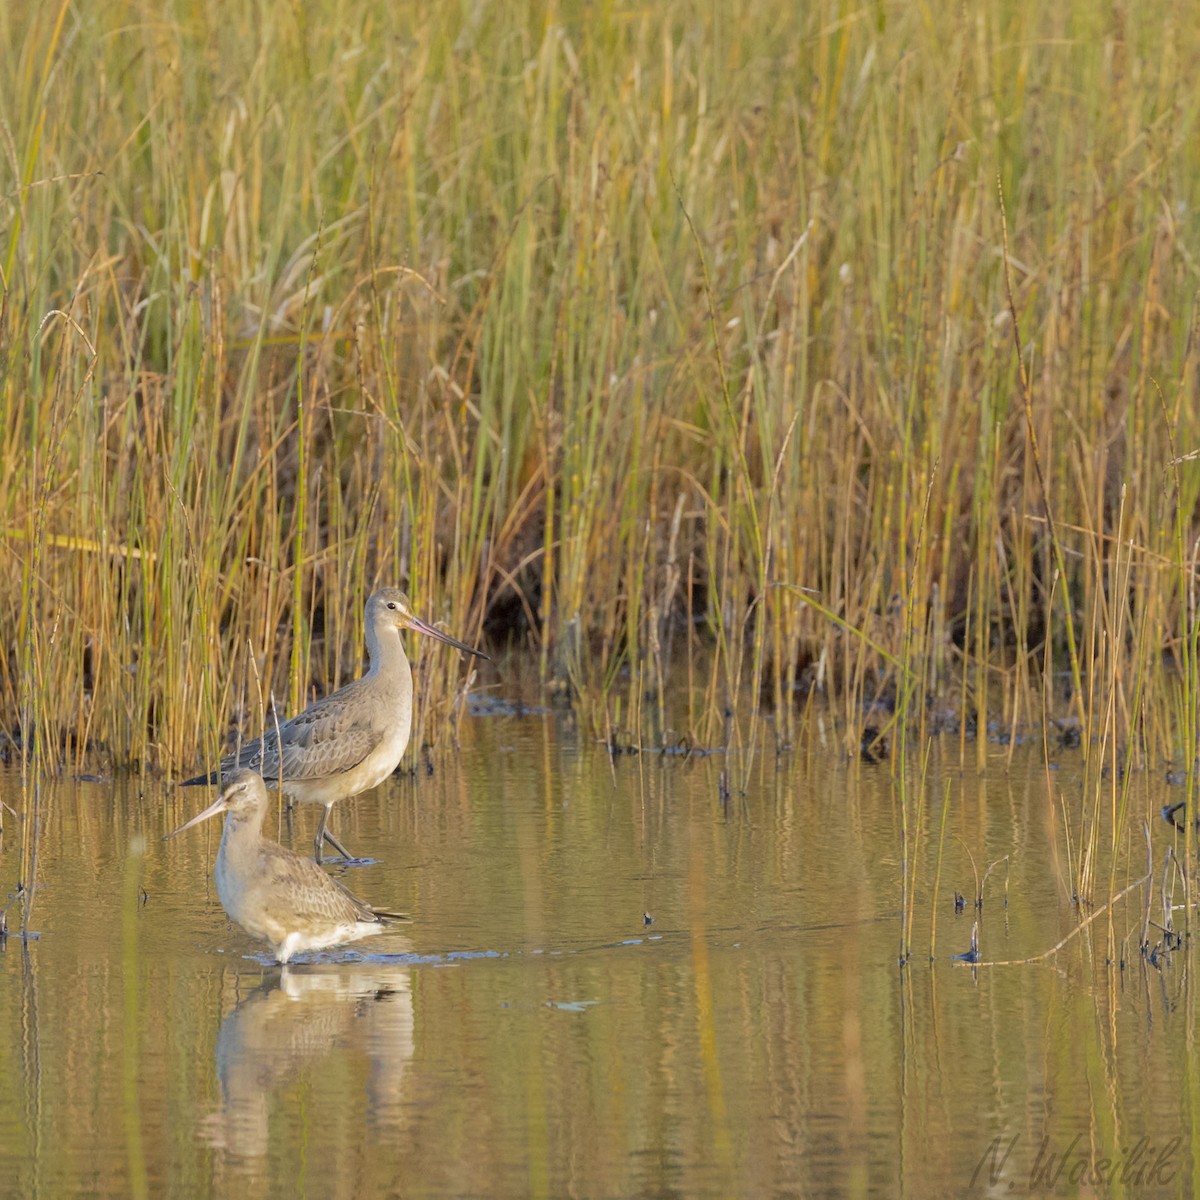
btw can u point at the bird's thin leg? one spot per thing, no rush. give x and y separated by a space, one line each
319 844
323 835
338 846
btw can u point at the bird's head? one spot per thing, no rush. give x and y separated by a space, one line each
389 608
243 794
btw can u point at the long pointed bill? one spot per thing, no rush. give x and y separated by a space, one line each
421 627
214 809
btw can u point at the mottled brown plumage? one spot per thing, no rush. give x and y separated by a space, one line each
272 893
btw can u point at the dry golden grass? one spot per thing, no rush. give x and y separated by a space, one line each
660 339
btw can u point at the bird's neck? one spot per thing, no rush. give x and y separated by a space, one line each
386 654
242 832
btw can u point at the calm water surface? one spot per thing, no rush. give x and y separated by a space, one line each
615 985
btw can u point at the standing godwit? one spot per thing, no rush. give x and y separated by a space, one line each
273 893
352 740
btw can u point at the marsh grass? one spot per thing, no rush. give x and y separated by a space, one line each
674 341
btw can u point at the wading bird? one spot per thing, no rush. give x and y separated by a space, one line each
352 740
273 893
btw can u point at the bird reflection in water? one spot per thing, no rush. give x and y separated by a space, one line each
290 1024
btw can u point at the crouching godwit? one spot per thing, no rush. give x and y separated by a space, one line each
273 893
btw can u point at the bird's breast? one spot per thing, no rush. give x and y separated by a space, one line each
382 761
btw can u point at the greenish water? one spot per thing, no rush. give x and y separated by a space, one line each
531 1034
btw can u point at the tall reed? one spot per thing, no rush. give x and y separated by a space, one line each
665 343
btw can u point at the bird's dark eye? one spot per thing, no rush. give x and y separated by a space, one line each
391 604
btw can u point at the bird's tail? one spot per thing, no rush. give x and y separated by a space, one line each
210 777
385 915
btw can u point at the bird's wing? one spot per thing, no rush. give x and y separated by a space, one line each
318 743
252 755
325 739
306 892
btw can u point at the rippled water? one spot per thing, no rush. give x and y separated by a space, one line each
616 984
